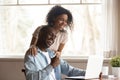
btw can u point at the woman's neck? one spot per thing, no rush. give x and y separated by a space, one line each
56 29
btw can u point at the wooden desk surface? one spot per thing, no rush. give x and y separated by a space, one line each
107 79
98 79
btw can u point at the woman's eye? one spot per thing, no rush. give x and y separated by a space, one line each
61 19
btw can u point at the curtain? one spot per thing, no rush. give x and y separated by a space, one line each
86 39
111 27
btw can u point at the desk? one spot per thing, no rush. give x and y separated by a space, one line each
106 79
97 79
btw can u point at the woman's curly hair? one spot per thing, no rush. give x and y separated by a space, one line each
57 11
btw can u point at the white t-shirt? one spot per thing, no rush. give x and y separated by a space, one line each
61 37
52 74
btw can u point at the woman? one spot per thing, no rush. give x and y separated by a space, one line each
59 18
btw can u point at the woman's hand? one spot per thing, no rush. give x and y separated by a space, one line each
58 54
32 50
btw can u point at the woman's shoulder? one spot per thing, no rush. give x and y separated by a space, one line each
63 32
41 26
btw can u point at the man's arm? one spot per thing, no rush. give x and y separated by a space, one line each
70 70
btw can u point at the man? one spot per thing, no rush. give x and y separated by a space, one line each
46 65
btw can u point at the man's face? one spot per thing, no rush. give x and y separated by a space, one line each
49 37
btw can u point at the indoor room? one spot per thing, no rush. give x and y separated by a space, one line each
95 31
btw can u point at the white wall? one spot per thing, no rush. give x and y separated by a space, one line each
10 68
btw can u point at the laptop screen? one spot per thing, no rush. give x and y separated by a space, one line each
94 66
93 70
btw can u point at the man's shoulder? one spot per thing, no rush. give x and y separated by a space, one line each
51 52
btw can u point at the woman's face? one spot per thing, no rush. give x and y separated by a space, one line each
61 22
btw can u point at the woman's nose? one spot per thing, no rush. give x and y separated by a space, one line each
64 23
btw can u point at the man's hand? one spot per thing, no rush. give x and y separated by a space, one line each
100 76
55 61
32 50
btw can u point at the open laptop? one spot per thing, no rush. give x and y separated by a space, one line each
94 67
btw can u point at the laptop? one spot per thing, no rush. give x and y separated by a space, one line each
94 67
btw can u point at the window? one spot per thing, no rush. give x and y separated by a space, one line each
19 18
